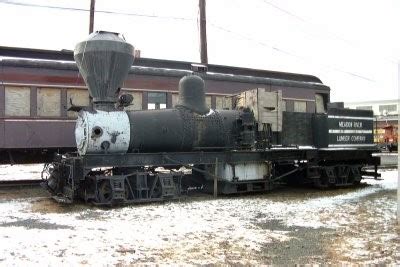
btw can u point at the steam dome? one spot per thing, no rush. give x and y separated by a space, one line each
192 94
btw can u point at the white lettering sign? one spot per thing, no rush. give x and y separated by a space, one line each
350 124
343 138
353 138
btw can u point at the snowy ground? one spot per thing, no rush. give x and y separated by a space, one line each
21 172
283 227
388 159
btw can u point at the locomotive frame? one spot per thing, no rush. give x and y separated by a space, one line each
134 183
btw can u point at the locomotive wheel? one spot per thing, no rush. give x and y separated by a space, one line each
355 175
323 181
104 192
55 182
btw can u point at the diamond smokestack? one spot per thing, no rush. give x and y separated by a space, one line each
104 60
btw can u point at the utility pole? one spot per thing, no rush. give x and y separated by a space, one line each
91 19
203 32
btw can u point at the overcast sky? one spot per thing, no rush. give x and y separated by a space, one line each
352 46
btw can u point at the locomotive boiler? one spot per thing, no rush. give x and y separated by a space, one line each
119 153
104 61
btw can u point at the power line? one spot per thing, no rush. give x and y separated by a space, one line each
190 19
16 3
244 37
284 11
332 34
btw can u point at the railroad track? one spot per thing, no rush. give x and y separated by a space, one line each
20 183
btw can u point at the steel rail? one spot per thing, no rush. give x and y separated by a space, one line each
20 183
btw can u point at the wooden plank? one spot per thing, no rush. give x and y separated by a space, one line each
213 101
63 101
300 106
240 100
310 107
284 105
175 99
144 100
2 100
289 105
270 109
2 137
208 101
169 100
48 102
17 101
228 103
219 102
251 101
33 101
223 102
319 103
79 97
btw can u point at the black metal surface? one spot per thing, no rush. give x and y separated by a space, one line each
182 130
352 138
351 112
335 105
129 181
192 94
161 159
20 183
155 130
320 132
360 155
297 128
104 60
350 127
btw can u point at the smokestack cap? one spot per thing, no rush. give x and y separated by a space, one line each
192 94
104 60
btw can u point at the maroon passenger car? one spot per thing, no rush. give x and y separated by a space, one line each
38 86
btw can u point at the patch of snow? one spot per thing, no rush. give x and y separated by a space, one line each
20 172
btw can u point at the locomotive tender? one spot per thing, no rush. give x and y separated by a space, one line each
136 156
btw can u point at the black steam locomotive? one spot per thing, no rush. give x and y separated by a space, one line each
137 156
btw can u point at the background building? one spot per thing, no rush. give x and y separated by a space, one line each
386 114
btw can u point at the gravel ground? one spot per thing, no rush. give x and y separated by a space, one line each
282 227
